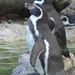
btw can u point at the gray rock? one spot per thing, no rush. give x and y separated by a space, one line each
15 31
70 9
70 33
12 32
24 66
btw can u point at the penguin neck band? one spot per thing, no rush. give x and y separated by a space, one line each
34 19
39 2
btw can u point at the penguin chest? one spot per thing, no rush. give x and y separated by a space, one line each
42 63
39 66
29 38
31 32
42 60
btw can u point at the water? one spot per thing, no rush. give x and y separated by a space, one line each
71 47
10 52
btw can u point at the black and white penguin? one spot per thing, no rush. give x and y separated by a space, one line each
59 30
31 29
51 24
46 55
59 5
68 20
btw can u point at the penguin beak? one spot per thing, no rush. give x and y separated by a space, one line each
29 6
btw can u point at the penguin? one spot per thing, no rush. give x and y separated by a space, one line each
68 20
31 30
59 5
51 24
46 56
59 30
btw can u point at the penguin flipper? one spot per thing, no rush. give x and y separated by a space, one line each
51 24
38 47
58 32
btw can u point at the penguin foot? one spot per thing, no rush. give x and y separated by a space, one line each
65 52
33 74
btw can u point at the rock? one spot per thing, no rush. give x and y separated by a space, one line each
73 58
12 32
71 71
61 4
9 21
16 30
70 9
24 66
16 6
69 63
70 33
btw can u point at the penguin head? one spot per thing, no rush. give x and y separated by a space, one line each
34 9
59 5
43 2
68 20
65 19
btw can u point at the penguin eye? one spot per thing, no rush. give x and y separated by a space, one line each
64 19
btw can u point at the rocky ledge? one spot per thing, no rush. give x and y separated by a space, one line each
24 66
16 31
70 33
12 31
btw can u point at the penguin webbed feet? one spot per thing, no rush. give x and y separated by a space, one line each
66 55
33 74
